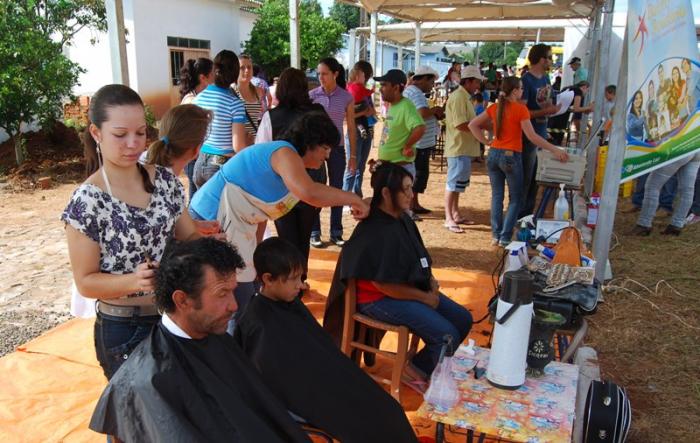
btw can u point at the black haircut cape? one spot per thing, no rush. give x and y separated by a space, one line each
174 389
384 249
302 366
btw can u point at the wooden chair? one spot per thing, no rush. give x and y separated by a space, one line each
354 321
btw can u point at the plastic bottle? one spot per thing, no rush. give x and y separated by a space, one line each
593 207
549 253
561 206
524 233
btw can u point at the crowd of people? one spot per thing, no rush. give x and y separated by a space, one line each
198 304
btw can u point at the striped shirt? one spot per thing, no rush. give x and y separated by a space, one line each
335 105
254 111
228 109
417 96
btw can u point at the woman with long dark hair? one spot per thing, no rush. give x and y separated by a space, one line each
227 133
293 99
510 119
118 222
636 126
340 107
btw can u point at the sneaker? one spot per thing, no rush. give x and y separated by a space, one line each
421 210
338 241
316 242
494 242
692 219
415 217
671 230
641 231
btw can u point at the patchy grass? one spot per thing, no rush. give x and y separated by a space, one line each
646 333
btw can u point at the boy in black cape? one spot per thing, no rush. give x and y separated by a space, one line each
302 366
189 381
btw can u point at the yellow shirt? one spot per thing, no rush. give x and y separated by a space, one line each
460 110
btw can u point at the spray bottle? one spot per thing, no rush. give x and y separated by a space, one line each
561 206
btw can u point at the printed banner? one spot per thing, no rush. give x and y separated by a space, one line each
663 89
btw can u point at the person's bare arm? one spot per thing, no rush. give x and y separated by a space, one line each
350 122
535 138
413 138
185 228
576 106
240 139
545 111
402 291
290 167
478 125
84 254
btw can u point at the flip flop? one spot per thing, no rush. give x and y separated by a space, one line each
464 221
417 385
455 229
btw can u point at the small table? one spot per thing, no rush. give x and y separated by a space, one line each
542 410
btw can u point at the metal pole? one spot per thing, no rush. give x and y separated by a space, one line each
418 43
400 57
593 68
363 39
294 52
117 41
381 58
537 39
600 81
476 56
373 40
611 182
351 47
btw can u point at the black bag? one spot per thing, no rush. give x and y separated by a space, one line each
608 413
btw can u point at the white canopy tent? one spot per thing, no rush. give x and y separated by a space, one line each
472 31
460 10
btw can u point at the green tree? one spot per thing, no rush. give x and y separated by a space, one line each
269 40
347 15
492 52
35 75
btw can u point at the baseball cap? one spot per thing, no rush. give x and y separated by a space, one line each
471 71
393 76
425 70
575 60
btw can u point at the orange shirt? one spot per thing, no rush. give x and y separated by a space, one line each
511 132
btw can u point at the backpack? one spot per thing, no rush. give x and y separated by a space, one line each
608 413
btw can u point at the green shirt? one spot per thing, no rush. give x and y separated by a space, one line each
460 110
401 119
491 75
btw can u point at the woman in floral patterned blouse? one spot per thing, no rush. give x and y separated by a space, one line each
118 223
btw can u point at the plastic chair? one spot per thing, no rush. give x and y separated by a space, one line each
352 341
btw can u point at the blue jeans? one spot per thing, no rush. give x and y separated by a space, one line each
431 325
336 169
244 293
353 182
529 156
117 337
504 169
695 208
686 170
189 170
205 167
668 193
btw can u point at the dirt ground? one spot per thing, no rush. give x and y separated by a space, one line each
646 336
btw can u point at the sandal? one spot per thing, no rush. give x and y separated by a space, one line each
455 229
464 221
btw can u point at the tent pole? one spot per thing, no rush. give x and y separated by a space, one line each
537 39
400 57
294 34
593 67
117 42
476 56
600 81
373 40
381 57
351 46
613 166
418 43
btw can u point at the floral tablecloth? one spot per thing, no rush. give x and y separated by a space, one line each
542 410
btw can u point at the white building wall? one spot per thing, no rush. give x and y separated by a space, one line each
94 59
155 20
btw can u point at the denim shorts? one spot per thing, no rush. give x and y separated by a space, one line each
459 171
117 337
